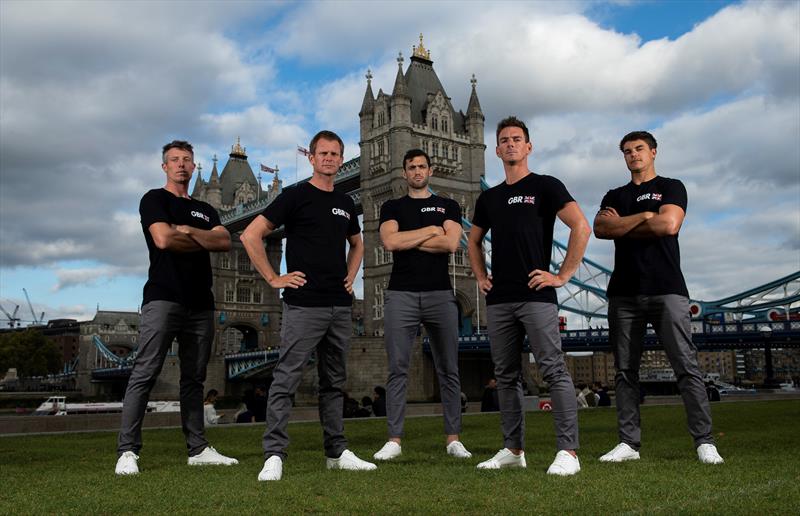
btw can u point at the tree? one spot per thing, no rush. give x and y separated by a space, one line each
30 352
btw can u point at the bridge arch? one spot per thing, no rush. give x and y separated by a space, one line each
466 310
238 337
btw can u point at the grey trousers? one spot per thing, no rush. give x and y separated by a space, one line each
304 330
162 322
669 315
438 312
508 325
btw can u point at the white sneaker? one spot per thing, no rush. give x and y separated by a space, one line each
457 450
620 453
211 457
272 470
127 464
708 454
565 464
389 451
504 459
349 461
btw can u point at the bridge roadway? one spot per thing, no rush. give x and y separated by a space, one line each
710 337
706 336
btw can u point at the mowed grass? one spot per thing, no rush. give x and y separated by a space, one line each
74 473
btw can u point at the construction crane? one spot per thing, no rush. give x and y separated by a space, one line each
33 314
13 320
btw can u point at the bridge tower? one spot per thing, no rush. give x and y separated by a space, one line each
418 113
248 310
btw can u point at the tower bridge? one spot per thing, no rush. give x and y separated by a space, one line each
419 113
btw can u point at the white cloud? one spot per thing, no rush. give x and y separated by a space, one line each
90 91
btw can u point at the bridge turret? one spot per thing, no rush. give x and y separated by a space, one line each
213 188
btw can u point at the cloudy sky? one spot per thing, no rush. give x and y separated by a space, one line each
89 91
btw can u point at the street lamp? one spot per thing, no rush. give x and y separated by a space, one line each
769 380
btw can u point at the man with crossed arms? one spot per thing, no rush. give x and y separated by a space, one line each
644 218
421 229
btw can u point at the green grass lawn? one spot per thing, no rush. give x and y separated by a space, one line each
759 440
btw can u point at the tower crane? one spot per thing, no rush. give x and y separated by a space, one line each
13 320
33 314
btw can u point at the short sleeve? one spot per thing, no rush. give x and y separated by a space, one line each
675 193
557 195
153 208
214 216
453 211
354 227
609 201
388 211
481 216
277 210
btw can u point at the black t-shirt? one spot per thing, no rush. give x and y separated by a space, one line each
646 266
317 224
415 270
183 278
521 218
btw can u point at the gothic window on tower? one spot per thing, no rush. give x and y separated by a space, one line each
380 147
459 256
434 123
243 295
444 124
425 146
228 294
381 118
377 307
224 261
436 149
256 296
243 261
382 256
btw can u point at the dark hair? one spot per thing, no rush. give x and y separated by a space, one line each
415 153
648 138
365 401
176 144
512 121
211 393
380 391
325 135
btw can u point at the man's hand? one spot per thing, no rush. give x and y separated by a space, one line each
294 279
183 228
540 279
438 230
348 285
485 284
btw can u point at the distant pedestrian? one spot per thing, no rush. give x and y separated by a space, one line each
489 401
209 412
603 399
379 401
